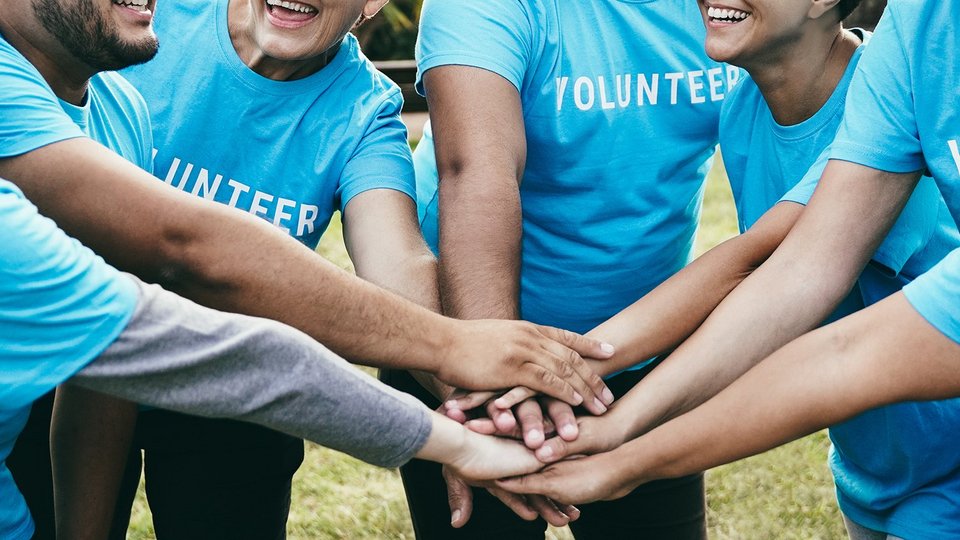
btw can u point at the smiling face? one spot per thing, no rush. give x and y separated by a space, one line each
742 31
300 30
103 34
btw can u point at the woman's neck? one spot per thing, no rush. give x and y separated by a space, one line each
799 81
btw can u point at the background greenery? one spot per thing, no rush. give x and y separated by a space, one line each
784 494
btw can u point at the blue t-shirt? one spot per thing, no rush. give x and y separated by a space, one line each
907 119
290 152
620 104
60 306
879 459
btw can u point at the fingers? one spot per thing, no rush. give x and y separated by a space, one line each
531 484
556 449
531 423
590 385
564 420
584 346
548 510
517 503
514 397
471 400
504 420
545 381
459 498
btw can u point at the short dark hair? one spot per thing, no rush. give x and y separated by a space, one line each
846 7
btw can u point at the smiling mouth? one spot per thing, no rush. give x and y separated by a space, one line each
290 11
726 15
138 5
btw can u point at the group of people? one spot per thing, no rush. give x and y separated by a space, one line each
554 310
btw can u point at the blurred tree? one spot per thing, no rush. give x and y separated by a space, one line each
392 34
867 15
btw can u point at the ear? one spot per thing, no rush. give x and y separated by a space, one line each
818 8
372 7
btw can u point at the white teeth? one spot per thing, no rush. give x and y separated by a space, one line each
726 14
140 4
292 6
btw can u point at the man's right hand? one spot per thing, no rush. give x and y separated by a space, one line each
493 354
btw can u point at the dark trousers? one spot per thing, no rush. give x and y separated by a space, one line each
206 479
209 479
667 509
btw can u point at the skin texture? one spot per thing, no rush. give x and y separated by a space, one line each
478 124
884 354
198 248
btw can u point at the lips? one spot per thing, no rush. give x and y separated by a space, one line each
287 14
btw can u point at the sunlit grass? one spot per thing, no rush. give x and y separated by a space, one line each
783 494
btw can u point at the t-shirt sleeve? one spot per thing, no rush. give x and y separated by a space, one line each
936 295
495 35
382 159
30 113
879 129
60 305
912 230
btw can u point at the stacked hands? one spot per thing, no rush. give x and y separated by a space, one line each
533 446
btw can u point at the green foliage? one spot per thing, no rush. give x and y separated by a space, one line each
392 34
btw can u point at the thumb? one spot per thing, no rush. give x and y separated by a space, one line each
459 498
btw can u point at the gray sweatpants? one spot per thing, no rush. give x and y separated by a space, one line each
180 356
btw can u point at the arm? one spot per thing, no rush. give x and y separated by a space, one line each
203 250
383 239
90 438
180 356
884 354
481 152
792 292
662 319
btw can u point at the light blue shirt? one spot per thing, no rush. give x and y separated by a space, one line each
879 459
60 306
290 152
907 120
620 109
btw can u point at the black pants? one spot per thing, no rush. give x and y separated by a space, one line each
663 510
210 479
206 479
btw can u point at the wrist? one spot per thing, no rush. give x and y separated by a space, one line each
446 442
441 344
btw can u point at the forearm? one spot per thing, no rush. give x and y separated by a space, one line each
884 354
90 439
220 257
180 356
480 231
662 319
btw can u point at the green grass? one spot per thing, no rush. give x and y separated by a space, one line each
784 494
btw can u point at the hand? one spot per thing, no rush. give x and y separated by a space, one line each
577 481
491 354
595 435
460 499
534 427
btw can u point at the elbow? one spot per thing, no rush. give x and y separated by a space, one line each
188 256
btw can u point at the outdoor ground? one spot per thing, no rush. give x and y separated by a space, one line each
784 494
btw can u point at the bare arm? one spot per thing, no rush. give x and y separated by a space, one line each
798 286
481 152
662 319
383 239
235 262
90 438
884 354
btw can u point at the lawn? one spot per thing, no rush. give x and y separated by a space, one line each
784 494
